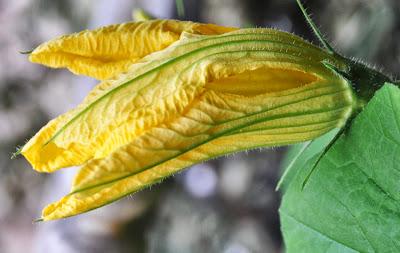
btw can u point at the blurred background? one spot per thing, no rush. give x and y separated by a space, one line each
227 205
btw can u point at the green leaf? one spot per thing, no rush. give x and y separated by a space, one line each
352 200
299 154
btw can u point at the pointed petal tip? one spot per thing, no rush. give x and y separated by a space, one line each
26 51
141 15
16 153
38 220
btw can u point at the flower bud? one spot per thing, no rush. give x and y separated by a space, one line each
201 97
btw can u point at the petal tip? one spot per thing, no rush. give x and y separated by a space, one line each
38 220
26 51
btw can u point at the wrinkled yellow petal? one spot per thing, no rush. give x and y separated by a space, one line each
202 97
107 51
215 123
162 86
202 133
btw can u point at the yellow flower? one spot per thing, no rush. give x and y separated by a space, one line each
180 98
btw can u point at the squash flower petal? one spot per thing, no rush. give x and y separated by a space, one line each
201 97
107 51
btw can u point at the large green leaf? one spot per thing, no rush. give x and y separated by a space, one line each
352 201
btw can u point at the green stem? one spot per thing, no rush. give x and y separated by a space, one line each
315 29
180 8
366 81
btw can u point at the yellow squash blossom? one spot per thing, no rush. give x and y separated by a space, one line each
181 93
